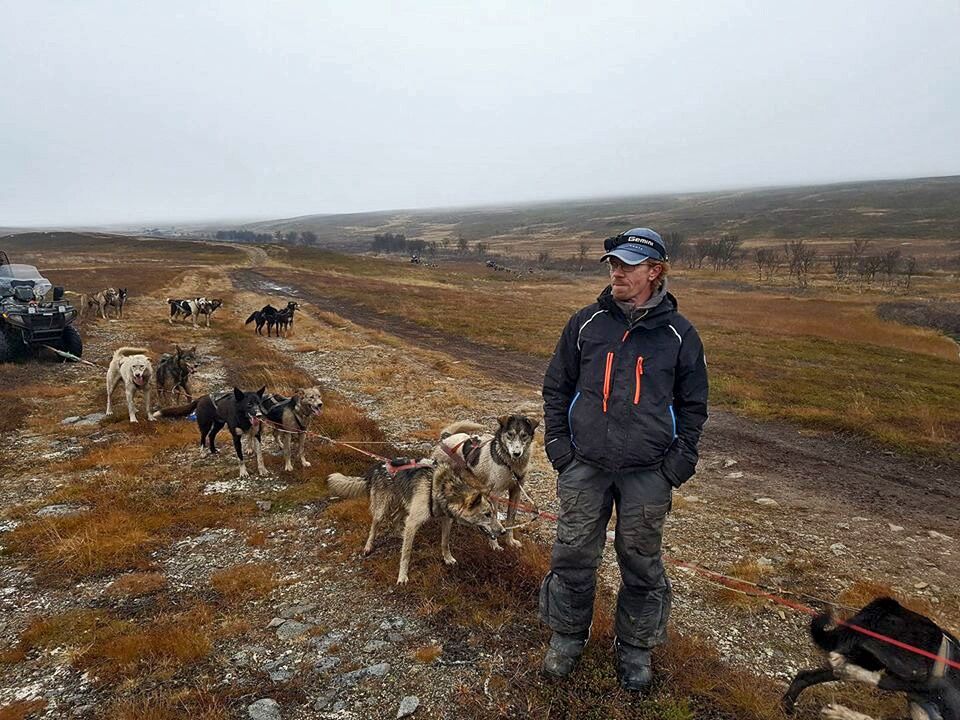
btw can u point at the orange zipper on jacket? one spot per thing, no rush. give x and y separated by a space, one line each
606 380
636 395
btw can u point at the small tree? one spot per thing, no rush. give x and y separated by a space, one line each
909 269
764 258
309 237
700 252
582 249
463 245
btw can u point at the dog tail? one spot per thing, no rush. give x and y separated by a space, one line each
170 301
128 351
348 487
825 637
461 426
253 316
179 411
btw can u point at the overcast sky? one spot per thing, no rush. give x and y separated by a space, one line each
118 111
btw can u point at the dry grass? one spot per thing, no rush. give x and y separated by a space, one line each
240 583
112 650
22 709
751 572
136 584
173 705
427 654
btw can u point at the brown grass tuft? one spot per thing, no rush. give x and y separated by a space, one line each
427 654
244 582
22 709
137 584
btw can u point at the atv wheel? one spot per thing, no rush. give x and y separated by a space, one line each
6 348
71 342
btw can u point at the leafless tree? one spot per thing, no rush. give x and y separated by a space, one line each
909 269
725 251
699 252
765 257
800 259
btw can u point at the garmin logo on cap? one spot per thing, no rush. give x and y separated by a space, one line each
641 241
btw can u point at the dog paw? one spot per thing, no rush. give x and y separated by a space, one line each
288 467
305 463
494 545
839 712
513 542
838 662
402 579
450 560
134 420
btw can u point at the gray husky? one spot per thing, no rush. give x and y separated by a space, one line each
498 461
420 491
290 416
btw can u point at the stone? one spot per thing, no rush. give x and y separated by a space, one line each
375 645
326 664
735 475
395 637
264 709
895 528
264 505
692 498
58 510
298 610
838 549
769 502
292 629
938 536
70 420
91 419
378 670
276 622
408 706
920 585
323 644
729 462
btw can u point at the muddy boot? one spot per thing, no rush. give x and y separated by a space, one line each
563 654
633 667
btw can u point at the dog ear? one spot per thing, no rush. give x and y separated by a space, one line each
177 349
503 420
237 393
532 422
193 350
472 500
261 391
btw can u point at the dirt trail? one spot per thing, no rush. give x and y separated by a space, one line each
809 472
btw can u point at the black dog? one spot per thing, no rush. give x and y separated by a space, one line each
261 316
932 688
271 317
239 411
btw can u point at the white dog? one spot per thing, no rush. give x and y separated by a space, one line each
133 367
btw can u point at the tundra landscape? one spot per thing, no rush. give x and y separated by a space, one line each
140 578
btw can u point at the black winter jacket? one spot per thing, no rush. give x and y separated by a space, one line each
624 396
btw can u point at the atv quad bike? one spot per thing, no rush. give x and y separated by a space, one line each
26 321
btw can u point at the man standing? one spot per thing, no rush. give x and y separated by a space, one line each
625 399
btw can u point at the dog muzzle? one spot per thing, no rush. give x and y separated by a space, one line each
138 380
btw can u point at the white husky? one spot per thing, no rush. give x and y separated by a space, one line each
133 367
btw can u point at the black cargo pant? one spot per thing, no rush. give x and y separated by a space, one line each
587 495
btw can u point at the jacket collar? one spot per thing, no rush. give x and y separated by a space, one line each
654 317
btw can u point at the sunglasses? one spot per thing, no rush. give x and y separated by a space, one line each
613 265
